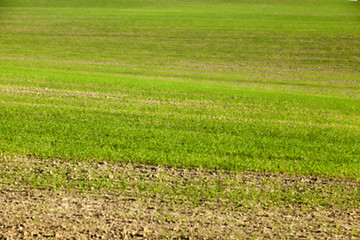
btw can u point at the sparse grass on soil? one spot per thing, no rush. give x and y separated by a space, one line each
245 114
98 200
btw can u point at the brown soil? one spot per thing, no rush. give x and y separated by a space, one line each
68 213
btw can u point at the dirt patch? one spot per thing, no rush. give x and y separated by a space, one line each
169 203
40 214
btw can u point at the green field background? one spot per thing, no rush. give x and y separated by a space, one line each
238 85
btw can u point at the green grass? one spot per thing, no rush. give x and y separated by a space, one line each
255 85
235 189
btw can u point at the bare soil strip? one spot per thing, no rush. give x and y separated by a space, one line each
152 202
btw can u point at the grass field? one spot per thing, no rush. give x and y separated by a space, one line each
263 86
